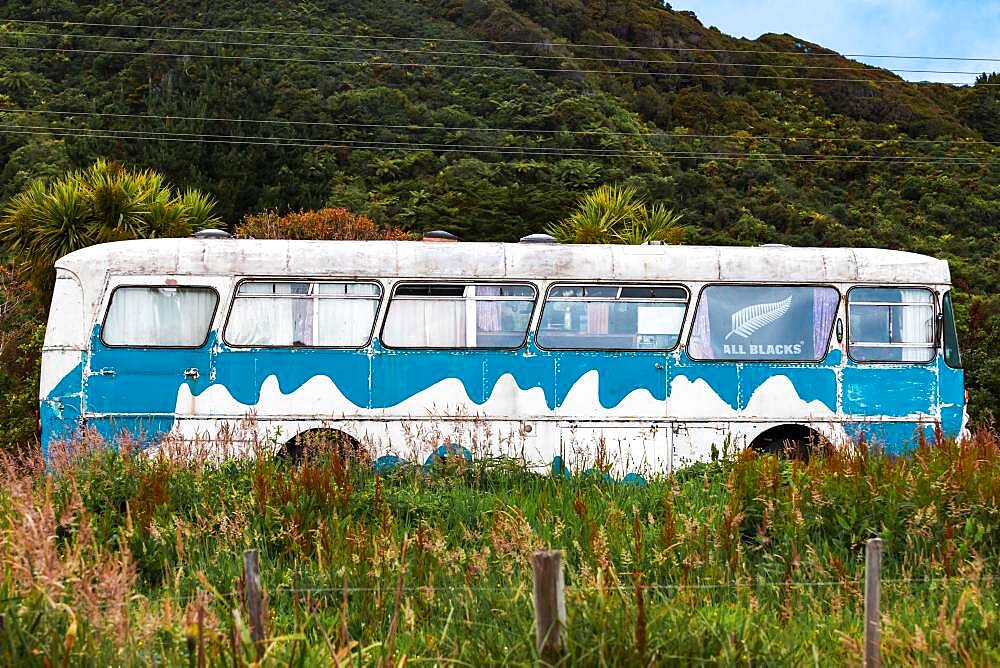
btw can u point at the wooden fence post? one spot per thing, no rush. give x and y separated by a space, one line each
253 598
550 605
873 611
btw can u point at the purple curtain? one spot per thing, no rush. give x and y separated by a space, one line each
825 301
487 313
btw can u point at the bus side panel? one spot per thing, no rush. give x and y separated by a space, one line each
63 361
954 418
592 383
789 392
891 405
890 390
414 383
720 404
896 437
59 411
277 382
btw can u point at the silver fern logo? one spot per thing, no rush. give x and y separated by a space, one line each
748 320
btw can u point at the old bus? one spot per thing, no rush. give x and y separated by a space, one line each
641 357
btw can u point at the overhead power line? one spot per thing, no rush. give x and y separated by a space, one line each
471 149
407 126
255 31
506 68
475 54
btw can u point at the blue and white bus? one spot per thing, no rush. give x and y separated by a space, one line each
636 358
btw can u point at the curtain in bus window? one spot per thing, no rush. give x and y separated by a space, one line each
825 303
917 324
701 334
265 320
132 318
194 312
345 322
425 323
302 314
487 312
159 316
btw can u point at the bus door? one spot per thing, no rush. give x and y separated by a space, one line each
150 357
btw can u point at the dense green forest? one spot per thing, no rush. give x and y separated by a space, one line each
503 113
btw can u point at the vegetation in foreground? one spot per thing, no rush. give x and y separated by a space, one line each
116 558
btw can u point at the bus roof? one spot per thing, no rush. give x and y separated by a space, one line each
476 260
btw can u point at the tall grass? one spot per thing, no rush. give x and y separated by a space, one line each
109 558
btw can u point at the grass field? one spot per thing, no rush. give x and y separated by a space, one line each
110 558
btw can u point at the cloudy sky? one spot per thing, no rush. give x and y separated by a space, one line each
956 28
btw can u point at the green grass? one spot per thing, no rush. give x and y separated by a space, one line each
112 559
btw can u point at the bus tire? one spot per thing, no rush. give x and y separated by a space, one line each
790 441
313 442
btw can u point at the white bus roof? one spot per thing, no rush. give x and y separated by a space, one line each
474 260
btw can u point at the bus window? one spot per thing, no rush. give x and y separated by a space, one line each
763 322
952 357
159 317
612 317
891 324
300 314
437 315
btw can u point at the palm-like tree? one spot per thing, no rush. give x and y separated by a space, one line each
614 214
105 202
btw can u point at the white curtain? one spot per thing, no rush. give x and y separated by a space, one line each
430 323
262 320
917 323
159 316
344 322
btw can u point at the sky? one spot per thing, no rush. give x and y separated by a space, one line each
955 28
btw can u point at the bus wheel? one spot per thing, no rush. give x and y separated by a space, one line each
790 441
313 442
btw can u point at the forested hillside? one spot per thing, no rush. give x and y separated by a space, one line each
503 113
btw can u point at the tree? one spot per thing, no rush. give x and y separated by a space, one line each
105 202
615 214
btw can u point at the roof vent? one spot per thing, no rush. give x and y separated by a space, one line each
439 235
211 234
775 246
539 239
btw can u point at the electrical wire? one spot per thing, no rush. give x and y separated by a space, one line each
527 149
506 68
249 31
503 150
599 133
852 68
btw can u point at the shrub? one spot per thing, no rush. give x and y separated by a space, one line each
325 224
